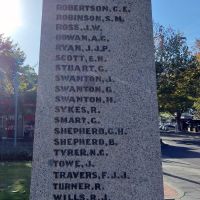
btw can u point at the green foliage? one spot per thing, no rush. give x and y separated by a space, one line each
11 63
11 58
197 49
196 105
11 53
28 78
166 116
9 49
197 108
177 71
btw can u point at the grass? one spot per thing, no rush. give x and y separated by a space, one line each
15 180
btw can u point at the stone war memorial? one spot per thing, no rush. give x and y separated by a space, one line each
96 134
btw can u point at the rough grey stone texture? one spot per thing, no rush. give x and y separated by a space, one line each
131 117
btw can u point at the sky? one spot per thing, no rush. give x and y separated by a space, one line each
22 21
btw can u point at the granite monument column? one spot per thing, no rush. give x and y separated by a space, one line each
96 134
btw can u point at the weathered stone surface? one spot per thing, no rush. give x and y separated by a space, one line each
96 132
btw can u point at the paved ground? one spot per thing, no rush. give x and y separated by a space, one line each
170 192
181 165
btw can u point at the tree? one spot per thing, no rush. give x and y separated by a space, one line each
197 49
175 68
11 62
11 59
197 108
196 105
28 79
28 88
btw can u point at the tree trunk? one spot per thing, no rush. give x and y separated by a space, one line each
178 120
